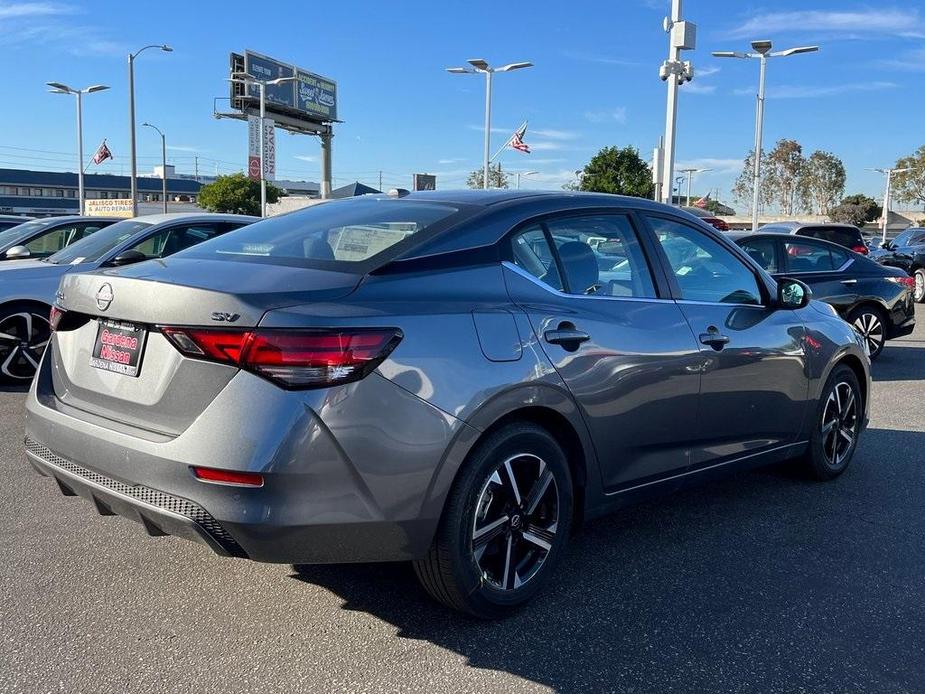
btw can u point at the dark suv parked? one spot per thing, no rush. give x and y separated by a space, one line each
843 234
907 252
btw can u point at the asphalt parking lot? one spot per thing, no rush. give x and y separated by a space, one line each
762 583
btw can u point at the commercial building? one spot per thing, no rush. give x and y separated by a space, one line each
46 193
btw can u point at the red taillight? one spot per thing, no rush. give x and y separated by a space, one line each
238 479
905 281
719 224
292 358
863 250
55 316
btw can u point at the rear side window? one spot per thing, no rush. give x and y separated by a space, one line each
175 239
353 233
812 257
600 255
532 253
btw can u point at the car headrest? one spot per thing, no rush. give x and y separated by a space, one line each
580 266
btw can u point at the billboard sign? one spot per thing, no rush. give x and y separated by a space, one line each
269 149
109 207
424 182
264 68
310 96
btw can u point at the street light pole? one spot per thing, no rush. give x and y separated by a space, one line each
762 53
524 173
481 65
674 71
887 195
59 88
131 117
690 174
163 162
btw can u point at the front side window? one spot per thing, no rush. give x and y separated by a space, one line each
600 255
52 242
703 269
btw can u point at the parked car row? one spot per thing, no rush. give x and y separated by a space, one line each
450 378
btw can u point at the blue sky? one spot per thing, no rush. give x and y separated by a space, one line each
594 82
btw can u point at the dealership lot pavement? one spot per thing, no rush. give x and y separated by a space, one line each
761 583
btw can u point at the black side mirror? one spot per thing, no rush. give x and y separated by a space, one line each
887 245
128 257
792 293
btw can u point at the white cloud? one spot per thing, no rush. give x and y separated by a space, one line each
450 161
698 88
910 61
601 59
185 148
18 10
717 166
544 146
617 115
553 134
867 23
41 24
306 157
705 71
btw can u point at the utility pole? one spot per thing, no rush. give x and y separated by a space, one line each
196 167
681 36
380 181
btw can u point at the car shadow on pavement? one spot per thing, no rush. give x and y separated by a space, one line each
764 582
14 387
899 364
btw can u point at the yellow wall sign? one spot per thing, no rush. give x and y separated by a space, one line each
108 208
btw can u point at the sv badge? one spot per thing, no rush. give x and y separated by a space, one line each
223 317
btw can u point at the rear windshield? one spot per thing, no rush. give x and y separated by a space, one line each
348 235
98 244
13 235
843 236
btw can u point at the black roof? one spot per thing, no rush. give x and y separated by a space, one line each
351 190
105 181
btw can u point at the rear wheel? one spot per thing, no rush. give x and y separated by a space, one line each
839 415
919 292
870 323
24 334
505 525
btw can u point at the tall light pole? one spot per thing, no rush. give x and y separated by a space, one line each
262 85
163 162
58 88
887 195
682 36
131 117
524 173
481 65
690 174
762 53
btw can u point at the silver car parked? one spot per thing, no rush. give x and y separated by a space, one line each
27 287
452 378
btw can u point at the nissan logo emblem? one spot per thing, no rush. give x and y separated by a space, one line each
104 297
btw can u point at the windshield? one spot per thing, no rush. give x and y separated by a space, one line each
351 234
13 235
98 244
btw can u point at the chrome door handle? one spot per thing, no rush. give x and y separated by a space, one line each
714 339
566 337
849 281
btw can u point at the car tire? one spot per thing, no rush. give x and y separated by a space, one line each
918 294
24 334
505 524
836 425
870 322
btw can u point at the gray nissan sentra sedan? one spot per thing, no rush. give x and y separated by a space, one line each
451 378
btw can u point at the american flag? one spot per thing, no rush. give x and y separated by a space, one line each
517 139
702 202
102 154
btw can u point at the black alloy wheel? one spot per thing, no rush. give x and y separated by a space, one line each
24 334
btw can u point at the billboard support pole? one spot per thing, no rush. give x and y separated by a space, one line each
80 154
263 180
326 162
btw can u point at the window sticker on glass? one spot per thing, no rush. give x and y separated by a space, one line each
362 242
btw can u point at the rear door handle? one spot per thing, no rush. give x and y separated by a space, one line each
714 339
566 337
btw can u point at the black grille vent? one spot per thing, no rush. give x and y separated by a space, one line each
153 497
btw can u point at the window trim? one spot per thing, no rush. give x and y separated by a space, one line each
767 293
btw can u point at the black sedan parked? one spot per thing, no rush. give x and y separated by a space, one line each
907 252
876 300
40 238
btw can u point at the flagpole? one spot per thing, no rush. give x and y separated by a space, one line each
509 141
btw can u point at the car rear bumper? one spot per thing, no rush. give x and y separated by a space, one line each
902 329
347 485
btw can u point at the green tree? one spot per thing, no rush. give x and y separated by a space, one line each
742 188
236 194
783 176
496 178
824 180
909 186
618 170
856 209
